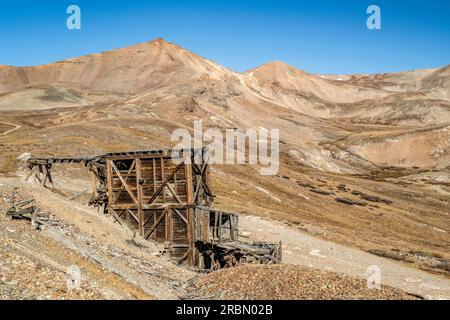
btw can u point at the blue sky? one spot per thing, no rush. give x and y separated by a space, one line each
328 36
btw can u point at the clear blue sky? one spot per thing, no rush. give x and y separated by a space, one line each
317 36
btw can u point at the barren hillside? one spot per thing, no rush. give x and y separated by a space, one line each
365 159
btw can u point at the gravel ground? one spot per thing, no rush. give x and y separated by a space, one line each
288 282
21 278
34 264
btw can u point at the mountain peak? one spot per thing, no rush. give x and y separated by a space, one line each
276 68
161 42
277 64
132 69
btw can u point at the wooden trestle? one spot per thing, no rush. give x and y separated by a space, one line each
159 198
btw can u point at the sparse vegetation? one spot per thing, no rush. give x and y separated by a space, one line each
364 161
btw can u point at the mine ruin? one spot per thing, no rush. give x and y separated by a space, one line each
167 201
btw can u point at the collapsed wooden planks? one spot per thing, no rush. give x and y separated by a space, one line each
22 210
230 253
25 210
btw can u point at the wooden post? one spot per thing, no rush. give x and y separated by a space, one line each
94 181
231 224
190 213
36 174
189 183
162 179
41 175
236 228
48 175
168 223
216 230
220 226
110 193
139 196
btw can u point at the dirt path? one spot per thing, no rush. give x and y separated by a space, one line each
16 126
303 249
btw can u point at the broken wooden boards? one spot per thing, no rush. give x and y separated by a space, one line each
25 210
231 253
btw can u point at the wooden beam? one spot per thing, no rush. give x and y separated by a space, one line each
190 234
138 165
180 215
173 193
154 175
190 212
215 233
109 181
44 175
133 215
166 180
220 226
41 173
133 164
118 218
158 221
154 185
48 173
127 187
189 183
153 206
95 178
162 178
149 218
200 182
36 174
184 257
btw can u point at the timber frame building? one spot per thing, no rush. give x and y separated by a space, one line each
165 195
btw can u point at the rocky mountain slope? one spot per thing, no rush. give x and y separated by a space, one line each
364 159
176 84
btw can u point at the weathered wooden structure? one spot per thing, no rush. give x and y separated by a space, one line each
156 196
165 195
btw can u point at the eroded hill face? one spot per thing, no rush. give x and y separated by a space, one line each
383 135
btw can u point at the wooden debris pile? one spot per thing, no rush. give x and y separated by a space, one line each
99 199
27 210
255 252
232 253
22 210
